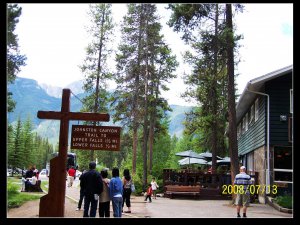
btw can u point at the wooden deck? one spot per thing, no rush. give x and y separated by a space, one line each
196 184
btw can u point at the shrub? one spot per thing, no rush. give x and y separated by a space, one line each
285 201
12 189
16 200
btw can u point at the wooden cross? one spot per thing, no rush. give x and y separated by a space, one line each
53 204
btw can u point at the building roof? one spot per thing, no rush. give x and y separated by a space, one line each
255 85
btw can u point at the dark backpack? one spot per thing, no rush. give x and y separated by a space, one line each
127 184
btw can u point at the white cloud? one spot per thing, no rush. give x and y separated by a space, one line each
266 46
53 37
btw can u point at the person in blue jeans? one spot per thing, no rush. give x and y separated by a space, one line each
91 183
116 192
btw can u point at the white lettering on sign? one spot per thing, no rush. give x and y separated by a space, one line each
95 137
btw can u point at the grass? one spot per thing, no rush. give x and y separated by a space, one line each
15 198
285 201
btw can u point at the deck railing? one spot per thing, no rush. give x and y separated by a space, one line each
200 178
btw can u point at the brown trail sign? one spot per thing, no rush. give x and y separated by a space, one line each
53 204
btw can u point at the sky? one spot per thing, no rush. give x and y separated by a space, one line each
54 37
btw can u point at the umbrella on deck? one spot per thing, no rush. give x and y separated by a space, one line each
225 161
208 155
190 154
188 161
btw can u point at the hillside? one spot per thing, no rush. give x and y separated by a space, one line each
32 97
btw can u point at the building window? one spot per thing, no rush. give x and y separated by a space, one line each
256 109
251 118
243 125
283 170
250 162
291 101
239 130
246 122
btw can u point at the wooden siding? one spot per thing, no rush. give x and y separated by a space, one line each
279 91
254 137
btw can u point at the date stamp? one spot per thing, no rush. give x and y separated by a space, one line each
252 189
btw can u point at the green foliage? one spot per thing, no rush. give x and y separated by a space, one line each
204 28
12 188
144 65
95 67
14 197
285 201
16 200
26 148
14 59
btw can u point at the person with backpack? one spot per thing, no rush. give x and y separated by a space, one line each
127 182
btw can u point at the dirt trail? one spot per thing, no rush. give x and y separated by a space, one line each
31 210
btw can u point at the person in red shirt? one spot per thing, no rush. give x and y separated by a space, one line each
149 193
71 175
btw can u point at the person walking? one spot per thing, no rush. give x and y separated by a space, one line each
154 186
127 182
71 175
81 193
149 193
91 183
243 195
104 200
116 192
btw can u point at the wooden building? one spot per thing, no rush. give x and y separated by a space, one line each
265 130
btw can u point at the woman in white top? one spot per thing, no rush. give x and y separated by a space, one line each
104 200
154 186
30 181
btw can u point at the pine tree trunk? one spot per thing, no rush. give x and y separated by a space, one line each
151 141
233 147
134 148
146 128
135 98
92 154
214 98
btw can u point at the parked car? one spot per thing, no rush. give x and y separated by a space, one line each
43 173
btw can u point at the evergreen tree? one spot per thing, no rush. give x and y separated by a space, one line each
29 154
95 65
16 157
126 99
144 63
209 67
233 147
14 59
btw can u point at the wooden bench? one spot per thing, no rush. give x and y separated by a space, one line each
34 188
181 190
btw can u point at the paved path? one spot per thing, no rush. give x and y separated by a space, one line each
184 208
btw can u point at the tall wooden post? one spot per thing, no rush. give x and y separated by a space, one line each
53 204
57 179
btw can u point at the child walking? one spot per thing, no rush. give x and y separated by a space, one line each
149 193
